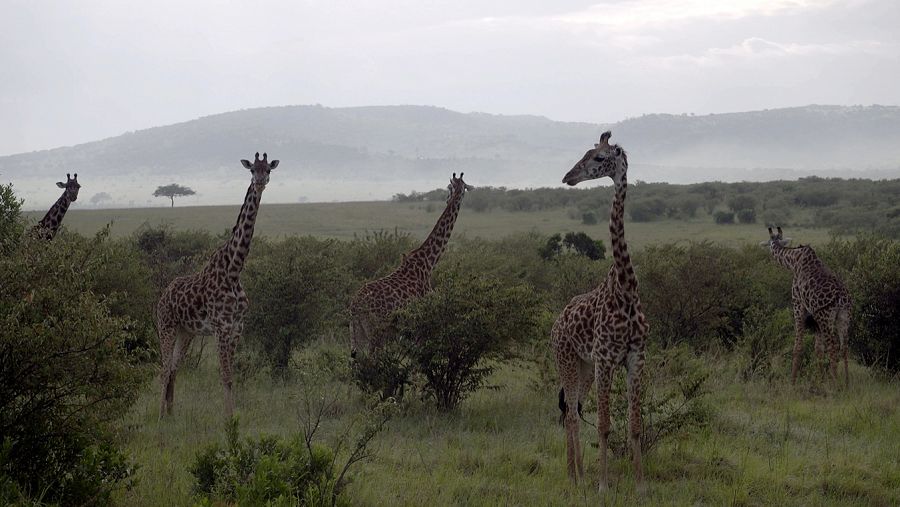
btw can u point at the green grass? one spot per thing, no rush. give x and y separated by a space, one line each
344 220
766 444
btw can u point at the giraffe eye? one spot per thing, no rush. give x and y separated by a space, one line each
598 159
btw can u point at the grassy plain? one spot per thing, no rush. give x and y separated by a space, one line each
344 220
765 444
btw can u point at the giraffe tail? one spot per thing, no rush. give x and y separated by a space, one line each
564 407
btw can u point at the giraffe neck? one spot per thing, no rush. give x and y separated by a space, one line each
242 233
428 254
627 281
794 259
54 217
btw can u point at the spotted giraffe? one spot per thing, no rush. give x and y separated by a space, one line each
213 300
820 301
603 329
49 225
373 304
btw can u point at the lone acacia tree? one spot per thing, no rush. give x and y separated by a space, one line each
172 191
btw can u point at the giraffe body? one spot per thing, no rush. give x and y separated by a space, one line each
49 225
373 304
604 329
820 302
213 300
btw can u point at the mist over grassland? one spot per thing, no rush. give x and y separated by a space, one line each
372 153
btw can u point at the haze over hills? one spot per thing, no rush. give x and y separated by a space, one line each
365 153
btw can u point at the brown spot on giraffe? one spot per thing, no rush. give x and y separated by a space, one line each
213 300
820 301
375 301
604 329
49 225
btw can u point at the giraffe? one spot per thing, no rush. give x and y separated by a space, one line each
820 302
603 329
49 225
374 302
213 300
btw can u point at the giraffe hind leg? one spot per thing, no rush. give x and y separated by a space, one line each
182 342
566 365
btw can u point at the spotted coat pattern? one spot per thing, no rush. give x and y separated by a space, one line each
604 329
373 304
49 225
213 300
820 301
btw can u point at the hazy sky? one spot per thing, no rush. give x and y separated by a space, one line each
81 71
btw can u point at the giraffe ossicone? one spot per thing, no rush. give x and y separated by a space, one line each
599 331
213 300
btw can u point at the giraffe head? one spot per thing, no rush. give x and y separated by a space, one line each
72 187
776 239
260 169
604 160
457 187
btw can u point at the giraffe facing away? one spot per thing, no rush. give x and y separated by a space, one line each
49 225
373 304
603 329
213 300
820 301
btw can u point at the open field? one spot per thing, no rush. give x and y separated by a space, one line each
765 444
345 220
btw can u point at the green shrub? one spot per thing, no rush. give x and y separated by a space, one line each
674 385
11 225
455 330
65 372
871 268
689 293
765 343
296 287
746 216
589 218
265 471
582 244
723 217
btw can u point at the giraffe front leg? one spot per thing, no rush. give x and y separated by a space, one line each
585 381
166 347
227 342
603 373
635 369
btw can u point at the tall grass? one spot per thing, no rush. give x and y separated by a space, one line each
767 443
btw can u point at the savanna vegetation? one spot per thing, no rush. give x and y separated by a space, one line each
464 410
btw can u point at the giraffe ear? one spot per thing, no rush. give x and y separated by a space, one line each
246 163
273 164
60 184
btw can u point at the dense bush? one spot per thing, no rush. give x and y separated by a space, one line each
871 268
574 242
456 329
723 217
297 289
265 471
10 219
689 291
746 216
65 371
449 337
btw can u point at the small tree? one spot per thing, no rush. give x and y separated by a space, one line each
172 191
453 331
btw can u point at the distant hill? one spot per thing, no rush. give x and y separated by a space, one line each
372 152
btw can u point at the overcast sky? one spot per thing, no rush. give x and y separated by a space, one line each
79 71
